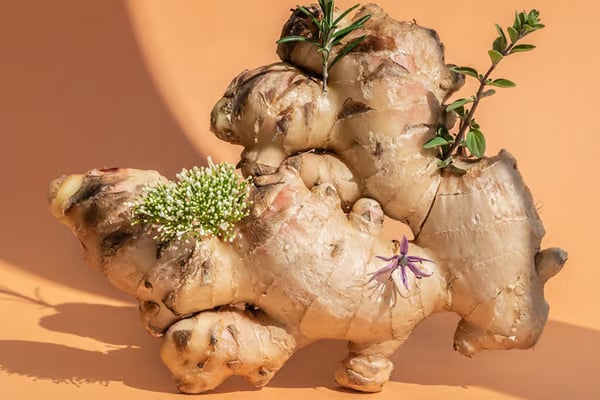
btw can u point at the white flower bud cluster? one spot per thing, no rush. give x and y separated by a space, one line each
202 202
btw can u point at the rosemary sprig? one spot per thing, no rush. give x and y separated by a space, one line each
329 36
449 144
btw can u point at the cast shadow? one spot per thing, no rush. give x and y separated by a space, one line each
133 359
76 95
133 356
565 361
70 365
563 364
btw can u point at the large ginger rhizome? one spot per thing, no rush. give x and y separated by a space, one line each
307 260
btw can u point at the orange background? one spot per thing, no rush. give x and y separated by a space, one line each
87 84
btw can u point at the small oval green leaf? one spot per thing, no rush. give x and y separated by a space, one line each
457 104
503 83
495 56
500 32
523 18
466 71
476 142
441 164
533 17
443 132
521 48
461 112
435 142
514 35
488 93
517 22
499 44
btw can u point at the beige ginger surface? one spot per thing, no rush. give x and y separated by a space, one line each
296 269
138 86
367 366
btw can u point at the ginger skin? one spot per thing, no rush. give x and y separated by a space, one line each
186 290
327 167
384 102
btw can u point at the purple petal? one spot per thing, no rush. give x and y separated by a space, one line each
387 269
417 259
404 278
386 258
404 245
418 273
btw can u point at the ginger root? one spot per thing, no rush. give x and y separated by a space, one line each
309 261
385 100
302 268
383 103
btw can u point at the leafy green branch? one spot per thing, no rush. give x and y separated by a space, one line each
329 35
503 46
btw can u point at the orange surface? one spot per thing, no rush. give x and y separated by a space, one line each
91 84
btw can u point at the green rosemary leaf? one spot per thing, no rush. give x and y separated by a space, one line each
305 11
344 14
323 5
327 7
339 35
349 47
329 36
295 39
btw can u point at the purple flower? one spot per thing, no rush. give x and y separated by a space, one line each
402 261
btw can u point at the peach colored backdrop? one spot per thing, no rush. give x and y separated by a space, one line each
88 84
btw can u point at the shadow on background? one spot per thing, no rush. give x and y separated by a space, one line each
76 95
135 362
426 358
564 364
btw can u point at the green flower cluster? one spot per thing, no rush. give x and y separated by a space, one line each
202 202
